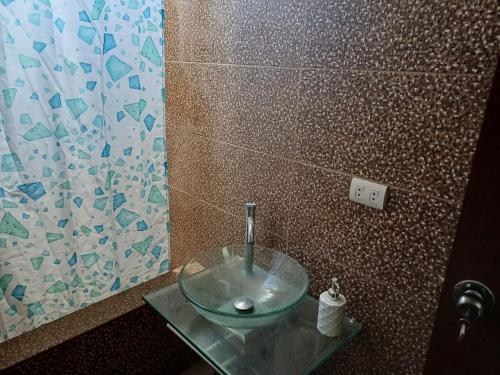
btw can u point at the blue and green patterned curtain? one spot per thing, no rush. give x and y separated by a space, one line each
83 194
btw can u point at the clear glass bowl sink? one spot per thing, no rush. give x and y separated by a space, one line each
216 279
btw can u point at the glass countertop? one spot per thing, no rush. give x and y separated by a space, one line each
292 347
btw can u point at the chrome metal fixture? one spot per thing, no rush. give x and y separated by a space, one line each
474 300
243 304
249 237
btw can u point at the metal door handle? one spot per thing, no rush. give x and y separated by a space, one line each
474 300
464 326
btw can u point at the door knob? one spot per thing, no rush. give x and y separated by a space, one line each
474 300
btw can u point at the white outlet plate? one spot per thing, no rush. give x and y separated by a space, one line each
368 193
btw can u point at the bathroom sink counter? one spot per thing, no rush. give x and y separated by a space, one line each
293 347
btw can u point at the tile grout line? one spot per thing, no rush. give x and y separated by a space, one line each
172 187
300 67
329 170
219 208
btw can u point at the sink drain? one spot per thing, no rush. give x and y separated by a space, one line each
243 304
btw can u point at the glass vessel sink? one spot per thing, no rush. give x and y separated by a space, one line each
221 289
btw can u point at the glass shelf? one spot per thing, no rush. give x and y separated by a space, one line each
292 347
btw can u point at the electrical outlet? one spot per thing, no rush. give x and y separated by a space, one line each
359 191
373 196
368 193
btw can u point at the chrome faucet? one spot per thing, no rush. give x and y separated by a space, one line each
249 237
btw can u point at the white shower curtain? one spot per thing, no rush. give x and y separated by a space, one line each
83 190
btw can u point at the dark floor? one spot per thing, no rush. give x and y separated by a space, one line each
199 368
136 343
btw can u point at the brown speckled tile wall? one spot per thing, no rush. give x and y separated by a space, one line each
283 102
263 32
227 176
415 130
429 36
405 246
213 104
199 226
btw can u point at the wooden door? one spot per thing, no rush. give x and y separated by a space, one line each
476 256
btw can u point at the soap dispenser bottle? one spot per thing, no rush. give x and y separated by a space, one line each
331 311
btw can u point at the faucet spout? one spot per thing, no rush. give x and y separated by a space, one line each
249 237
